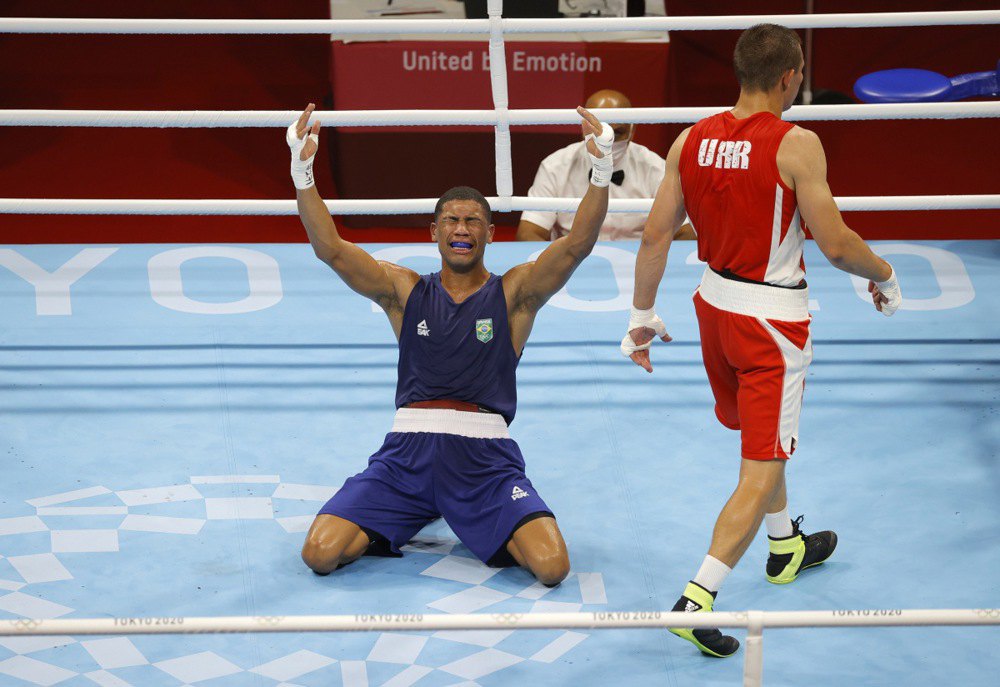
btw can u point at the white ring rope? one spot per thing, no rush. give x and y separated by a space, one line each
482 26
754 621
425 206
497 621
189 119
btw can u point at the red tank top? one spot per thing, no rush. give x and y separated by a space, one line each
746 217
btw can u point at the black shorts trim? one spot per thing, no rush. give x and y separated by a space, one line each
378 545
732 276
502 557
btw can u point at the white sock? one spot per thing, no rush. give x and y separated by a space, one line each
779 525
712 574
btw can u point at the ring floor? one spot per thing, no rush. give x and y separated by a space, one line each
171 418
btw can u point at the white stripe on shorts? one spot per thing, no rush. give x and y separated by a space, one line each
458 422
796 364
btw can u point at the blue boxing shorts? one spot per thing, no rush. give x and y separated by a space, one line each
459 465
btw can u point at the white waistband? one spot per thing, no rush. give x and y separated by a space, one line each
442 421
754 300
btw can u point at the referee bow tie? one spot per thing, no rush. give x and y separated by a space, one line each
616 177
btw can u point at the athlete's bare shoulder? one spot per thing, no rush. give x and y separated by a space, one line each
799 142
403 280
400 274
800 153
513 280
674 154
681 139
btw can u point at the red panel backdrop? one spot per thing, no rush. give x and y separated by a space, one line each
448 74
155 72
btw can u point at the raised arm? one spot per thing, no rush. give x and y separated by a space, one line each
802 159
664 223
383 282
533 283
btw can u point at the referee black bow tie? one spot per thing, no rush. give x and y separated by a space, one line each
616 177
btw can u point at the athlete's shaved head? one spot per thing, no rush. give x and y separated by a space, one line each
764 53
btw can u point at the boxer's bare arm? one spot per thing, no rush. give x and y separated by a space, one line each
665 223
665 220
802 161
530 285
387 284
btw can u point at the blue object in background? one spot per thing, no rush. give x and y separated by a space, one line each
924 86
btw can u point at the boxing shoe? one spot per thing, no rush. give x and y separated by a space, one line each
711 642
791 555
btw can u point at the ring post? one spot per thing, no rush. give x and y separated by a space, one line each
498 84
753 661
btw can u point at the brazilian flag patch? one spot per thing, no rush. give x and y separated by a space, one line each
484 330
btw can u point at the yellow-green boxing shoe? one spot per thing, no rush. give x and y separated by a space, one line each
791 555
710 642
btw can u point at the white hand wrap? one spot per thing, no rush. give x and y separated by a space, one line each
637 319
302 170
890 289
603 167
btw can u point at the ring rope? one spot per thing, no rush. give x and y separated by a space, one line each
209 119
482 26
497 621
421 206
754 621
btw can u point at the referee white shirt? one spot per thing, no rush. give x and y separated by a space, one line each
565 174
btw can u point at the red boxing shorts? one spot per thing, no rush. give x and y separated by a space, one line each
756 347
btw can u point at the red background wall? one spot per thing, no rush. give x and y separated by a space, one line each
154 73
465 156
283 72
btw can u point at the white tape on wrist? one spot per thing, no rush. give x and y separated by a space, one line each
638 319
302 170
890 289
603 167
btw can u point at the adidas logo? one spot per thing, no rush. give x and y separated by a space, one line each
422 329
517 493
691 607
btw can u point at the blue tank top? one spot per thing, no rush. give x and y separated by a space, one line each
461 352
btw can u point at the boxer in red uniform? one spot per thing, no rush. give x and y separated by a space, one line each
751 183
